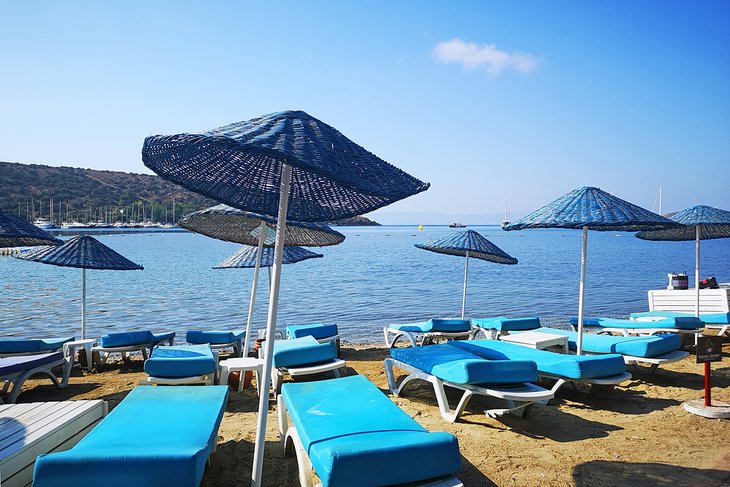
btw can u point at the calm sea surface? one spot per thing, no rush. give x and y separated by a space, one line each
374 278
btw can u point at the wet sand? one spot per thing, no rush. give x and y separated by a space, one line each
636 434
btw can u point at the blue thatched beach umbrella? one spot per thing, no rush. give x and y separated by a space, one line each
248 257
699 223
233 225
468 244
287 164
591 208
16 232
86 253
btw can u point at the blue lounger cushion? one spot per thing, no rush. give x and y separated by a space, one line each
444 325
715 318
31 345
162 337
302 351
180 361
155 436
214 337
126 339
679 322
355 436
20 363
461 367
636 346
502 323
317 330
569 366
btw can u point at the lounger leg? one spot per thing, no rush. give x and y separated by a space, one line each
144 353
443 402
389 374
283 420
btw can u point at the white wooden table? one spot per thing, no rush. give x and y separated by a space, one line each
537 340
31 429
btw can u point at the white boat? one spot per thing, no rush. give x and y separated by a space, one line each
505 221
44 223
456 225
73 225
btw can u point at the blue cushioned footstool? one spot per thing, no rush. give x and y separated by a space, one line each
355 436
157 436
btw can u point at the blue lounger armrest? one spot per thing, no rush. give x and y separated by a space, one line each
576 367
178 361
32 345
502 323
126 339
317 330
302 351
358 437
458 366
155 436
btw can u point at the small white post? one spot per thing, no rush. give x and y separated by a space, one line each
582 292
697 271
258 452
463 298
83 303
252 301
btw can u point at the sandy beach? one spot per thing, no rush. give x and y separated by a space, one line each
637 434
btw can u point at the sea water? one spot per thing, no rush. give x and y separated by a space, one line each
374 278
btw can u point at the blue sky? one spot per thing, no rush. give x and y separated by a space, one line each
526 100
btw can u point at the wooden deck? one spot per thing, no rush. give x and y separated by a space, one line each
28 430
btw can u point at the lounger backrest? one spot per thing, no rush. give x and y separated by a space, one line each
213 337
449 325
317 330
302 351
32 345
502 323
126 339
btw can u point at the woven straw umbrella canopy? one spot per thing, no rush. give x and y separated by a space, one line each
468 244
83 252
289 165
233 225
16 232
591 208
247 257
699 223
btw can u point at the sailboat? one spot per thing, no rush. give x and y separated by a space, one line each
505 220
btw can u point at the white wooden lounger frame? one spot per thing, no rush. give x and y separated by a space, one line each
289 437
18 378
520 397
334 365
417 339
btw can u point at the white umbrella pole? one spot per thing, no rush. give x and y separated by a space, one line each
83 303
252 301
463 298
697 271
258 453
581 297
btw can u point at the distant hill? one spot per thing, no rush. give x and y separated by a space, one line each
89 194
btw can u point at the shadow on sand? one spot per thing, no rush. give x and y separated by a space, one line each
600 472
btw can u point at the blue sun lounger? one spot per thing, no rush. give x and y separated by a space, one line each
714 321
128 342
426 332
352 435
608 369
182 364
218 339
680 324
321 331
155 436
304 356
450 366
15 370
30 346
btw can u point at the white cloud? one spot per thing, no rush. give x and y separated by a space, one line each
484 56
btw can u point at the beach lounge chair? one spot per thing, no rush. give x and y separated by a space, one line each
688 325
321 331
446 365
713 321
653 350
352 435
596 370
182 364
304 356
218 340
155 436
15 370
31 346
501 325
128 342
31 428
426 332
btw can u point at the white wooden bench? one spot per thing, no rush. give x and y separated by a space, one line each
685 300
30 429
